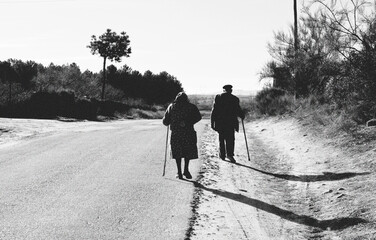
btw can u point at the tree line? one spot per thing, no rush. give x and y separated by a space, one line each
29 89
21 80
335 59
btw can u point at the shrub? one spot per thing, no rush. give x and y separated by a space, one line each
273 101
50 104
139 113
363 112
109 108
86 109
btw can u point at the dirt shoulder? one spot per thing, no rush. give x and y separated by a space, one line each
299 184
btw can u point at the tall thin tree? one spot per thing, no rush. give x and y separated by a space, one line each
110 46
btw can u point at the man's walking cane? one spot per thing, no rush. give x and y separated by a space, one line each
165 159
246 144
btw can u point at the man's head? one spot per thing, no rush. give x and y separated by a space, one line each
227 88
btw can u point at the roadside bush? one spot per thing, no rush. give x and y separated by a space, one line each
109 108
273 101
250 109
50 104
354 89
86 109
136 113
363 112
346 125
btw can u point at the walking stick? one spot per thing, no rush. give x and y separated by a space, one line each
165 159
246 144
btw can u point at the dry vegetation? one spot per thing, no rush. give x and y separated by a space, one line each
323 118
321 176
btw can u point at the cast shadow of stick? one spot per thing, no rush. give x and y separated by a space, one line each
326 176
332 224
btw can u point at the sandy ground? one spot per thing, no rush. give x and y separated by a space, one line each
298 184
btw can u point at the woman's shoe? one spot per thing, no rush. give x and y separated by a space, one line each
187 175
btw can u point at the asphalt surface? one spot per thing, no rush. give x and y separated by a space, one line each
103 183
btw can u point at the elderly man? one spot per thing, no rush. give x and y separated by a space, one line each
224 120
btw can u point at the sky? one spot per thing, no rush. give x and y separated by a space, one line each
205 44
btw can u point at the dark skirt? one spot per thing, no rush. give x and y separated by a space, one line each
184 144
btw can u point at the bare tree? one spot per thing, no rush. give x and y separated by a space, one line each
348 19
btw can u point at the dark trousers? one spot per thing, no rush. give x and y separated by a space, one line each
226 142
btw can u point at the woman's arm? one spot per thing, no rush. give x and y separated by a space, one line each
196 115
167 116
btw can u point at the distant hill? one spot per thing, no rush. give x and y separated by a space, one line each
239 92
204 102
236 92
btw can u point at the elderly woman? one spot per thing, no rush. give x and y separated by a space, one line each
181 115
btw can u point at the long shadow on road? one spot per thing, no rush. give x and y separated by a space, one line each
333 224
326 176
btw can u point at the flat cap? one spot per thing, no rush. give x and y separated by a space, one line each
228 86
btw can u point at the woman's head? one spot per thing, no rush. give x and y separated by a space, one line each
181 97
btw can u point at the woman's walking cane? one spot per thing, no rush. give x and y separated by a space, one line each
165 159
246 144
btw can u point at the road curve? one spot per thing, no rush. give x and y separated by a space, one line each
101 183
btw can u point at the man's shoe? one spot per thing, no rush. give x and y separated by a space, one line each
187 175
232 159
222 157
179 175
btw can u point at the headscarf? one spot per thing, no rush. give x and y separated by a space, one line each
181 97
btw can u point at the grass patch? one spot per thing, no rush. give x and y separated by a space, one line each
136 113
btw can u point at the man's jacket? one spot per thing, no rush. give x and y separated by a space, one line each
225 112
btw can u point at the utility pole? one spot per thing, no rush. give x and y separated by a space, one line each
295 27
296 46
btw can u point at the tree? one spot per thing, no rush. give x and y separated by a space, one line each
7 75
354 24
307 70
110 46
351 23
70 77
281 75
24 72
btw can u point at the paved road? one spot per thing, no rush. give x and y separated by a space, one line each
103 183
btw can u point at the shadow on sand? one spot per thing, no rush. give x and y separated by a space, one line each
326 176
331 224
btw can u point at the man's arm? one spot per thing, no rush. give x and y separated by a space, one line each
239 110
213 117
